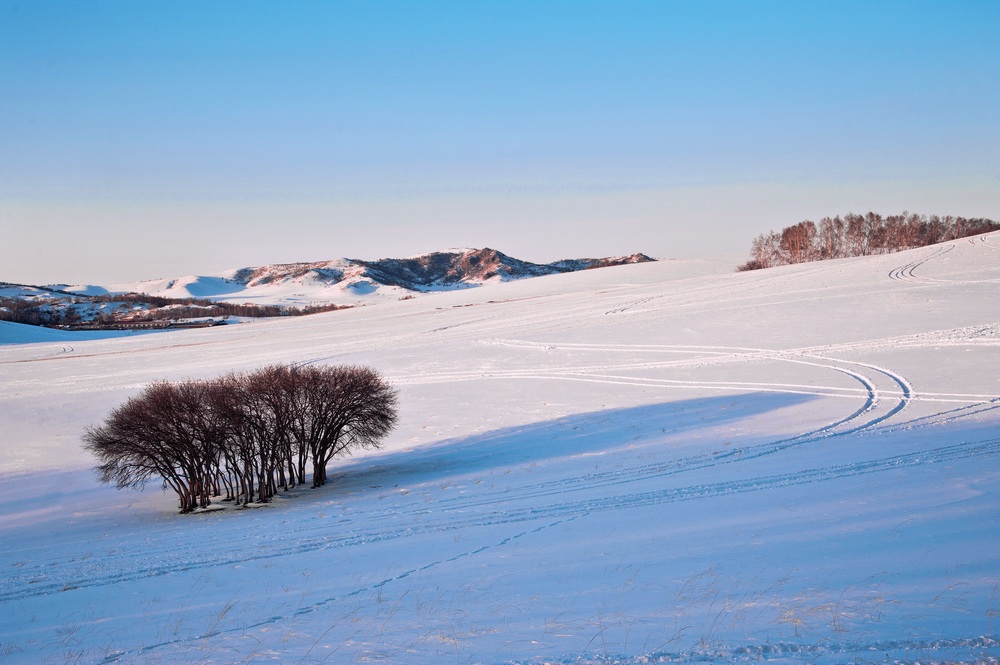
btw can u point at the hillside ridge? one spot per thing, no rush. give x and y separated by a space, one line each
276 289
424 272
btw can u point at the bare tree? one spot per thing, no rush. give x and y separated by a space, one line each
248 434
831 238
765 253
349 408
165 433
797 242
257 409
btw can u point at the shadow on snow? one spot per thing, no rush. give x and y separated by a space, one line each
580 434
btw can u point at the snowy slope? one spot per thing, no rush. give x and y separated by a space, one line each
354 281
638 464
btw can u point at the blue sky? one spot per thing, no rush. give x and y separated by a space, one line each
149 139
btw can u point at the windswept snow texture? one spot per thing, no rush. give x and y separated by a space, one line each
634 465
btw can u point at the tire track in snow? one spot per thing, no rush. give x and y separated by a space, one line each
631 305
907 395
737 354
984 241
707 356
317 605
944 417
707 460
742 486
131 564
597 373
905 272
871 393
744 453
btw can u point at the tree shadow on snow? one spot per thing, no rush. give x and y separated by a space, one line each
581 434
30 499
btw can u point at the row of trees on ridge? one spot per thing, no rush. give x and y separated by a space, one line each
245 436
859 235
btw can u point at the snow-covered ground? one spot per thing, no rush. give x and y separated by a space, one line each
635 464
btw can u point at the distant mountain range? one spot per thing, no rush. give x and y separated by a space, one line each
279 288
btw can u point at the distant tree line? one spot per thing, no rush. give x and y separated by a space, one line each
30 312
62 311
859 235
242 437
189 308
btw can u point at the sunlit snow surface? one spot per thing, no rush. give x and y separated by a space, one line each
650 463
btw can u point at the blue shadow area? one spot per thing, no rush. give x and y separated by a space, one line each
31 498
19 333
578 434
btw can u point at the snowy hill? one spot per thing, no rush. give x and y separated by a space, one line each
648 463
284 288
351 281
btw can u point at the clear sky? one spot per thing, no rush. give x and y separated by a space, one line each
158 139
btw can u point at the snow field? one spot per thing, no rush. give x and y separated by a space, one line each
637 464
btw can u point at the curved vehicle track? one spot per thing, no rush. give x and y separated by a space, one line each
906 272
31 580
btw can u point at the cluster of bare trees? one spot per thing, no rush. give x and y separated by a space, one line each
242 436
859 235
